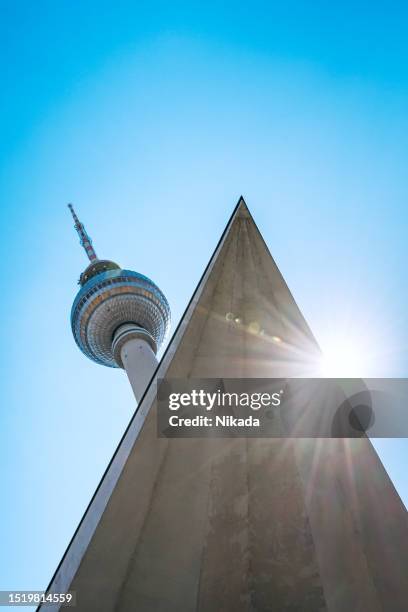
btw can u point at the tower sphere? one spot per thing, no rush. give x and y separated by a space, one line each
110 298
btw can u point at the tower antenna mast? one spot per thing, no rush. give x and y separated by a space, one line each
84 239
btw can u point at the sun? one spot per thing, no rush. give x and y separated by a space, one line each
346 357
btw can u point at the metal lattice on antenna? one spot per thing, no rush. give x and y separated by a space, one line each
84 239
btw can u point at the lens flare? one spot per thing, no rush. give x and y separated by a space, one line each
348 357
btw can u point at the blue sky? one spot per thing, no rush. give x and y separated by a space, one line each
153 118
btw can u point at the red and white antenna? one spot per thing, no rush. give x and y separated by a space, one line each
84 239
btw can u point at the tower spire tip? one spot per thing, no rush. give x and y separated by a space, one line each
84 239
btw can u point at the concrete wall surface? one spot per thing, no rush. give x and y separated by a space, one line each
242 524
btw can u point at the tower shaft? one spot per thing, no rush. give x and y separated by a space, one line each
134 350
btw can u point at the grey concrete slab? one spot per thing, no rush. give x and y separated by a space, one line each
240 525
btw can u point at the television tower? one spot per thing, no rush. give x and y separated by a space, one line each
119 318
227 524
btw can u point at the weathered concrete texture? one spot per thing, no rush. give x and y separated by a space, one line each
245 525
